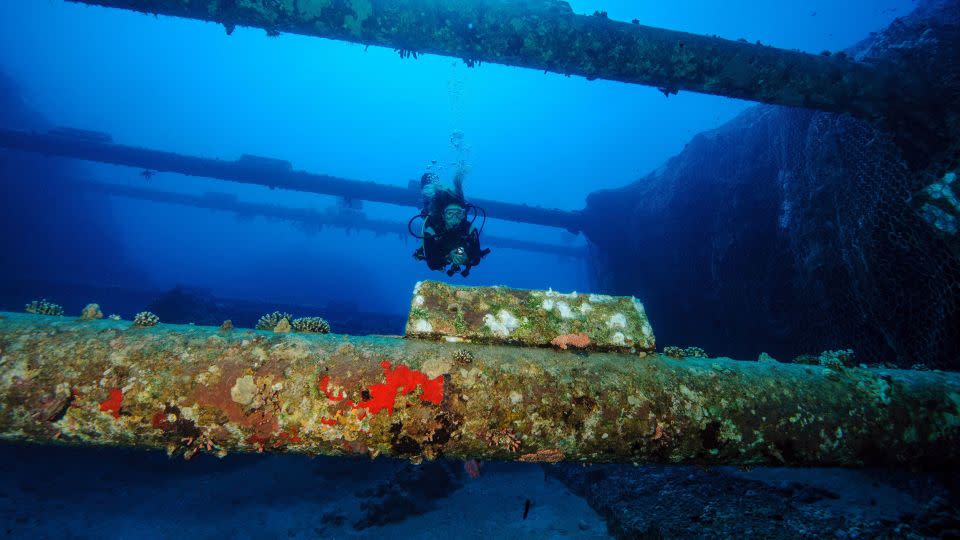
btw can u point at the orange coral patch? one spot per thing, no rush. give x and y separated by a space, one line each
563 341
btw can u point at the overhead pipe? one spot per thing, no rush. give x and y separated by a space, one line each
344 219
261 171
547 35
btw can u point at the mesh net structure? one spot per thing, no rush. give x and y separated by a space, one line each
870 271
792 231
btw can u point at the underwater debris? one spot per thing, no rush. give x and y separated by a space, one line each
311 325
91 312
271 320
412 490
687 352
145 319
42 307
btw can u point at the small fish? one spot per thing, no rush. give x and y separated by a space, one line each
472 467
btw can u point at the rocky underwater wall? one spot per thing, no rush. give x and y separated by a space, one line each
792 231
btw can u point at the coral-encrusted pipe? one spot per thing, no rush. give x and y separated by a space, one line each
190 389
548 35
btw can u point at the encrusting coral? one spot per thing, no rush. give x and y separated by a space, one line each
271 320
315 325
145 319
283 327
91 312
42 307
579 340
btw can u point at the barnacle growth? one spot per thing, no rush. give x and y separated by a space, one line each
145 319
537 318
42 307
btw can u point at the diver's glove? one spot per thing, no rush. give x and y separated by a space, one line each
458 257
418 254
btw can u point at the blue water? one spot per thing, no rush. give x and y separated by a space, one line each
344 110
336 108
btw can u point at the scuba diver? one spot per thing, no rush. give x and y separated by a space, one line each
450 241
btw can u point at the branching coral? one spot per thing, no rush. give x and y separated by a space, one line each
42 307
314 325
836 359
145 319
689 352
271 320
830 359
462 357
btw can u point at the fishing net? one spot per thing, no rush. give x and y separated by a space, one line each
871 272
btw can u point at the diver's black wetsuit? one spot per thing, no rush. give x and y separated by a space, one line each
439 241
437 247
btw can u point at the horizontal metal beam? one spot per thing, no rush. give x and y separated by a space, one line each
343 220
201 389
547 35
272 173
